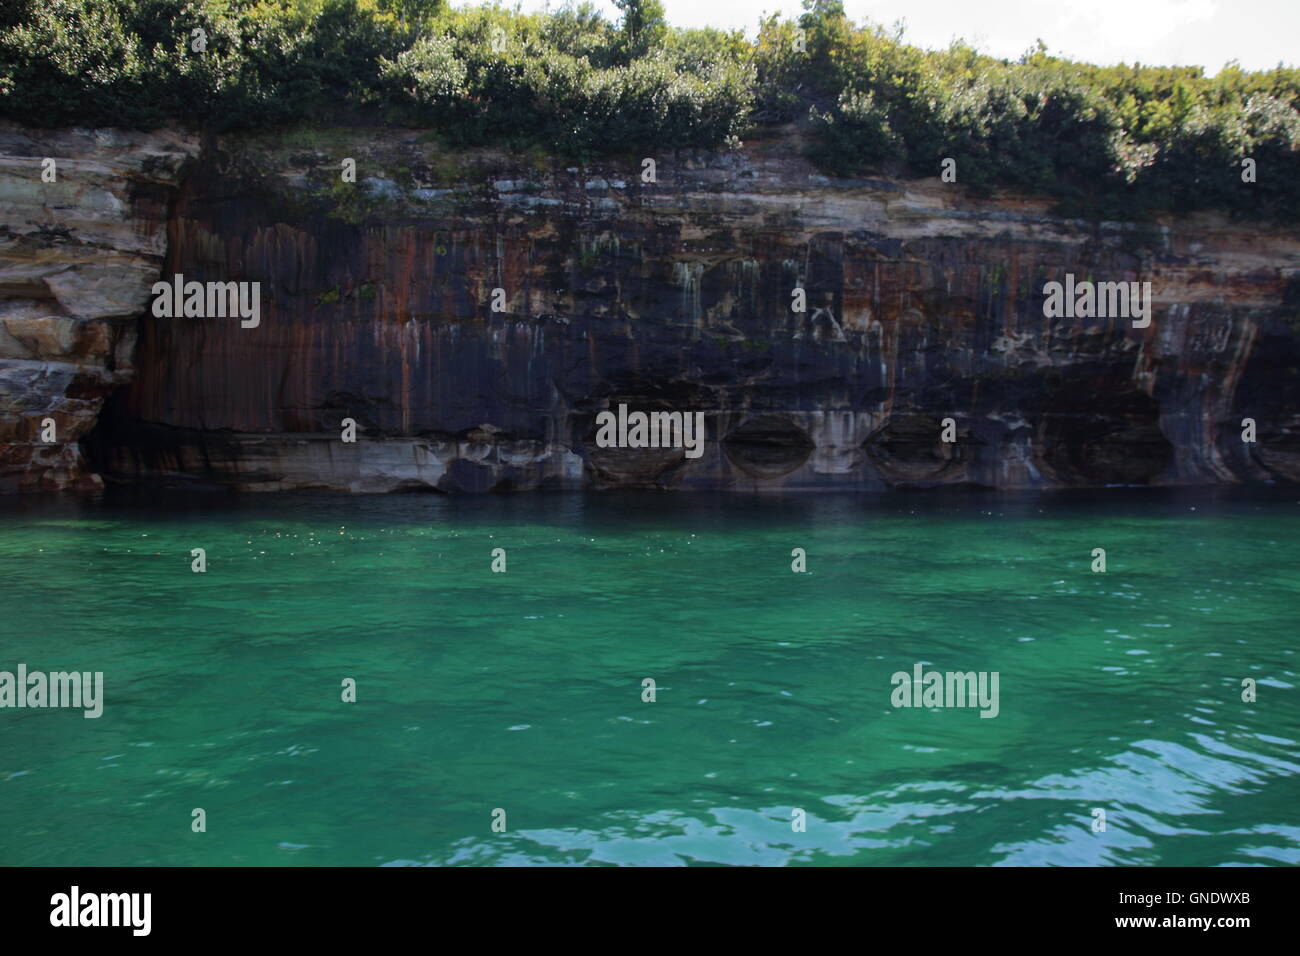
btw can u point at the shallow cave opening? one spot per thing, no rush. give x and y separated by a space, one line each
1269 393
634 467
910 447
767 446
413 487
1108 435
111 445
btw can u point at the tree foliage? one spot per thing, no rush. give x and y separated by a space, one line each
1122 141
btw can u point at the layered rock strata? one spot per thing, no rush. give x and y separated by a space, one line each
83 223
676 295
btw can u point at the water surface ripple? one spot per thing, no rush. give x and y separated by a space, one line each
522 690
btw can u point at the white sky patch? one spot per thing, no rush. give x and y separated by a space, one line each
1208 33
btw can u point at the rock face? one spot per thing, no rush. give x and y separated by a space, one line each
377 305
78 255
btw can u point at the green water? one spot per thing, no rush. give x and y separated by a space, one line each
522 691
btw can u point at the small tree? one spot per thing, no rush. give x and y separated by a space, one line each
412 13
643 29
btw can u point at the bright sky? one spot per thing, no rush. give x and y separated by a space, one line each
1257 33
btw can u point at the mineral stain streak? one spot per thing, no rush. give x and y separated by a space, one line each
921 304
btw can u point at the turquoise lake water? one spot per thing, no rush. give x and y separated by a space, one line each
523 690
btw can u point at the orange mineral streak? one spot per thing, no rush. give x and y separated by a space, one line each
920 306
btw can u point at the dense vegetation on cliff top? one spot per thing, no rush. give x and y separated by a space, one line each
1106 141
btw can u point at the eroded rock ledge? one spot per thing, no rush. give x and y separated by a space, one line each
77 258
922 305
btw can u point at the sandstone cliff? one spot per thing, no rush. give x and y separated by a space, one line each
77 257
376 306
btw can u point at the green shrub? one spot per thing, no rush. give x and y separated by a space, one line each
1121 141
